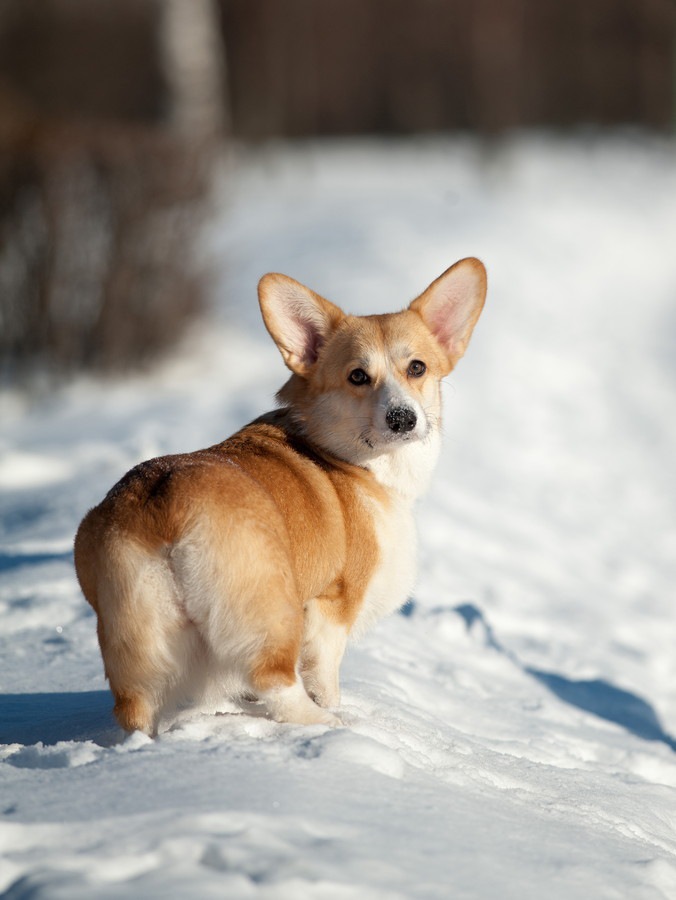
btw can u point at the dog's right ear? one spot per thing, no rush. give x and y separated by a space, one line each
298 320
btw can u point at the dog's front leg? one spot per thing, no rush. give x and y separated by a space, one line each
324 641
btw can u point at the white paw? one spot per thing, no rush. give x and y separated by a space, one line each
329 718
292 704
324 695
326 699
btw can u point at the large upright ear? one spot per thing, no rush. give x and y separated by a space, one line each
452 304
298 320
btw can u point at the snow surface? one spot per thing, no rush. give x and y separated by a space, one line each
510 734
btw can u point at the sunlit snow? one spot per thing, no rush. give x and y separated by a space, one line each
512 732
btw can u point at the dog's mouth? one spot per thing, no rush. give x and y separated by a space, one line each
375 439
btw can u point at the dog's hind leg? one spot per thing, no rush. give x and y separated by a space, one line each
277 683
144 635
324 642
275 670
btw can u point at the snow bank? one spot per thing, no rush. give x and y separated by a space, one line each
512 732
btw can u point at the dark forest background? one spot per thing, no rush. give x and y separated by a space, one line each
114 115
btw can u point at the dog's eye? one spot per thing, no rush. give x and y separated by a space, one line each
416 368
358 376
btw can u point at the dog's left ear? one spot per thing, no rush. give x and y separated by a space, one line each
298 320
452 304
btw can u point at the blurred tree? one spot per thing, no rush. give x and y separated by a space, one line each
110 117
304 67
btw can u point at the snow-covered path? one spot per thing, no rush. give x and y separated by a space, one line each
512 733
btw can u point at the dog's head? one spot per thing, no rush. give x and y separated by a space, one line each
364 386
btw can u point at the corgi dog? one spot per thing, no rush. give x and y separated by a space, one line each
240 571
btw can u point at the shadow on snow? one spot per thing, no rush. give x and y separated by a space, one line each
595 696
11 561
50 718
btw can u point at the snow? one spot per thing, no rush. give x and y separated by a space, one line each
512 732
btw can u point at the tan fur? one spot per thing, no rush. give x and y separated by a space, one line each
244 567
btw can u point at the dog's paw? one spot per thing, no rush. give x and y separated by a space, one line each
312 715
292 704
327 699
330 719
325 695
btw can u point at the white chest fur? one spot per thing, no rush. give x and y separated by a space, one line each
409 468
393 579
406 472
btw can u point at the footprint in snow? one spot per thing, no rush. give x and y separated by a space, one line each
344 746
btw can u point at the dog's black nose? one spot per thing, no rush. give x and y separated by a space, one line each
400 418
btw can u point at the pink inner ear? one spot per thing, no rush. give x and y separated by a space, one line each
312 341
448 318
442 321
305 336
